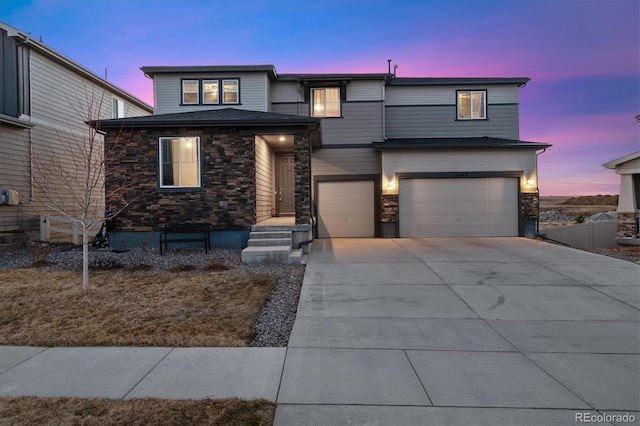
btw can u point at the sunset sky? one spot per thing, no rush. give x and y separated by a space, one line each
583 56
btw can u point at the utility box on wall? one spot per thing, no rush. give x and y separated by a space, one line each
9 197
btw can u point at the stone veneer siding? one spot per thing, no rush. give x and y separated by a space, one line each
302 167
389 216
529 206
227 196
626 225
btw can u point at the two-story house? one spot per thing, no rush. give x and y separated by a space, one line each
44 101
351 155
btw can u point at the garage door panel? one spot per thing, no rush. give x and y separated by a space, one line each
458 207
346 209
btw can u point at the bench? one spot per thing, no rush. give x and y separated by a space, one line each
186 232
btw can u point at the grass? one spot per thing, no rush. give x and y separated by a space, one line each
99 411
124 308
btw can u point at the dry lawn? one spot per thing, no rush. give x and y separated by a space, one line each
97 411
49 308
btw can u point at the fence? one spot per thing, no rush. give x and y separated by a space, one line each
46 229
584 235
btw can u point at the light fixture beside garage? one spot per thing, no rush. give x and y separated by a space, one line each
530 184
389 185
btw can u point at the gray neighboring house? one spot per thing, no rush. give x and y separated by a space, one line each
628 212
41 93
349 155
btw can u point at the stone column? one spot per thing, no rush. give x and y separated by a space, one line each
302 160
389 216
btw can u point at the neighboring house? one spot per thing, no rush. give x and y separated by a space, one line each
628 213
43 97
354 155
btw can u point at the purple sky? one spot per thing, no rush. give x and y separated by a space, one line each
583 56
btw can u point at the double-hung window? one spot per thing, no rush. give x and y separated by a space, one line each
230 91
190 92
325 102
117 108
472 104
179 162
210 91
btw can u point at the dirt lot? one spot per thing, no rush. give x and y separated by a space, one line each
576 206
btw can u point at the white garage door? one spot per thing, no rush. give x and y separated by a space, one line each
346 209
473 207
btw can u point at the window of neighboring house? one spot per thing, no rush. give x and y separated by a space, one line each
190 92
117 108
229 91
325 102
179 162
210 91
472 105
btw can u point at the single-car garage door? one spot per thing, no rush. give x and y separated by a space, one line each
346 209
460 207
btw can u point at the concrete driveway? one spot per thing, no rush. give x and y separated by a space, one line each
462 331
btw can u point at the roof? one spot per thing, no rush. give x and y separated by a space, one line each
72 65
613 163
333 77
270 70
214 117
442 81
453 143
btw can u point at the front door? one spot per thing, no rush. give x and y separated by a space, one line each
285 190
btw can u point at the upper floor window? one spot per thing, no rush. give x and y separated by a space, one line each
230 91
190 92
117 108
210 90
472 105
325 102
179 162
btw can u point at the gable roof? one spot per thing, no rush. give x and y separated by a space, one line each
448 143
613 163
213 117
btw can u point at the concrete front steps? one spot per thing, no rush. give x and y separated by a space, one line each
271 245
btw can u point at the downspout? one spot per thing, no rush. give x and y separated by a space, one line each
538 191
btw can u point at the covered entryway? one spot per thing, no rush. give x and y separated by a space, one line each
458 207
346 209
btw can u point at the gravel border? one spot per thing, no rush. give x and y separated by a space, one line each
274 323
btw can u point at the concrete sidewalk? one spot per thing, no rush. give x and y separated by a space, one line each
408 331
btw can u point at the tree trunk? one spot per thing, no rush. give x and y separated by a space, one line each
85 258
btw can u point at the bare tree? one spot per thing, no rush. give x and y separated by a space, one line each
69 175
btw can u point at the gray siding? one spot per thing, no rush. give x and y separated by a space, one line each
294 109
285 92
344 161
446 95
440 121
361 122
168 92
365 90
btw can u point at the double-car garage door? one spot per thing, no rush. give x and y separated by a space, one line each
438 207
465 207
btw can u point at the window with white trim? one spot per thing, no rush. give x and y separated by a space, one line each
472 104
117 108
179 162
190 92
210 91
214 91
230 92
325 102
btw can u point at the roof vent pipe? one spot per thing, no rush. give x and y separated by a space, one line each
389 66
395 67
